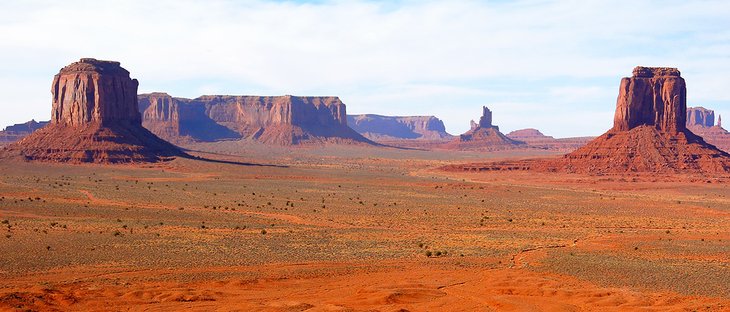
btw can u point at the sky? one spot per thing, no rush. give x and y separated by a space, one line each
550 65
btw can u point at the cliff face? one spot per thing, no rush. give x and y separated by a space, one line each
649 133
653 96
94 118
700 117
281 120
648 136
94 91
701 121
377 127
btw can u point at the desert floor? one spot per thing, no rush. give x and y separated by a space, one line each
350 229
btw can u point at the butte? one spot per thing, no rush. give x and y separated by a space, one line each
94 119
649 135
482 136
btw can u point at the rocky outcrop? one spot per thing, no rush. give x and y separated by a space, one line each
18 131
94 118
653 96
93 91
486 120
282 120
700 117
701 121
380 128
484 135
649 135
180 120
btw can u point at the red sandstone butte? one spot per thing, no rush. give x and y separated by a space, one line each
649 135
483 135
94 118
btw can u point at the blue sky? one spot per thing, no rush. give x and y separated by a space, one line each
550 65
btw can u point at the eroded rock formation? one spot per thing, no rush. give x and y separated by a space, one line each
701 121
18 131
649 132
94 118
700 117
649 135
377 127
653 96
283 120
484 135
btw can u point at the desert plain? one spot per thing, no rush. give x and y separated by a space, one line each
350 228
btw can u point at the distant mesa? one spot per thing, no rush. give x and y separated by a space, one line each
18 131
701 121
649 135
385 128
536 139
483 135
700 117
94 118
528 134
279 120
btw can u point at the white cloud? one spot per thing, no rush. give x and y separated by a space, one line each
419 57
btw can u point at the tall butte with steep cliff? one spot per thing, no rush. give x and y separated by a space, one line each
649 132
483 135
94 118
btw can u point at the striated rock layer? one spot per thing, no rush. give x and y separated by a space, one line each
649 135
282 120
94 118
377 127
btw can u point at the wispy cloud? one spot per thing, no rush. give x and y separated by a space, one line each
411 57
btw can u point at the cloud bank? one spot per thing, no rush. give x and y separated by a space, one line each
551 65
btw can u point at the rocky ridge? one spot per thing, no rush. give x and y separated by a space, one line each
280 120
377 127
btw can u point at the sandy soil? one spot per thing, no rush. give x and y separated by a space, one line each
355 230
